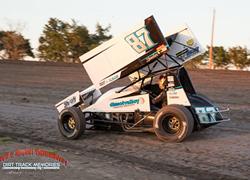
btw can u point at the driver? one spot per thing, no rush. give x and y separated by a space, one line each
158 91
161 98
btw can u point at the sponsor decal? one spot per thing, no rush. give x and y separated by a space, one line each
170 78
162 48
109 80
155 54
206 114
54 162
171 81
130 102
151 56
70 102
190 42
102 83
174 97
173 94
187 53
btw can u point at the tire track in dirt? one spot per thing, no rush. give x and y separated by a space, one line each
106 143
220 152
189 172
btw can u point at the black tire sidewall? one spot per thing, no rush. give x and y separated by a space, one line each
185 117
78 116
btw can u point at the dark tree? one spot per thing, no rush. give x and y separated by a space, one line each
239 57
62 41
14 46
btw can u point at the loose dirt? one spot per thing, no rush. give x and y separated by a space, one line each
29 90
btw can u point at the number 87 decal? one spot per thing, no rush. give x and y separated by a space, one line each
140 40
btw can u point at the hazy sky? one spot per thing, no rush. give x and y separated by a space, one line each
232 26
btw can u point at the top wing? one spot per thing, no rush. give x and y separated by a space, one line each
124 54
184 46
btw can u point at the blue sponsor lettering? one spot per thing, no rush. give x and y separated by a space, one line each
187 53
124 103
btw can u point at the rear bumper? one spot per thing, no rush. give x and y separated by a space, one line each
212 115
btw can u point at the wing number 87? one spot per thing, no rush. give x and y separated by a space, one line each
140 40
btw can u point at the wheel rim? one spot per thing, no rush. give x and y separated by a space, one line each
69 123
171 124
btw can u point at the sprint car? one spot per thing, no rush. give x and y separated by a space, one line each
142 55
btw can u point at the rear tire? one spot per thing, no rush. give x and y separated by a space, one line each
71 123
173 123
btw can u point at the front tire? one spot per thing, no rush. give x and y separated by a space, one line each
71 123
173 123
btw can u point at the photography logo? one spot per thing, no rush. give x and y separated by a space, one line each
54 163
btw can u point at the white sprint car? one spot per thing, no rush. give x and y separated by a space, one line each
172 109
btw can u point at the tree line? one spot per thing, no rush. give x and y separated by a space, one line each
66 41
238 56
60 41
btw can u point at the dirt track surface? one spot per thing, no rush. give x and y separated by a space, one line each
28 92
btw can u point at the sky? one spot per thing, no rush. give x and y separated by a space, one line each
232 25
